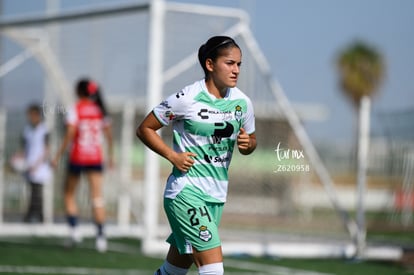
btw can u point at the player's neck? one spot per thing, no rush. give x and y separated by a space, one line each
218 92
35 124
84 99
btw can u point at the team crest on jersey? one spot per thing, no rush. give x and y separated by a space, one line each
238 113
204 234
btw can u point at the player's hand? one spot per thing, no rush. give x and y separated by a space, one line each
243 140
183 161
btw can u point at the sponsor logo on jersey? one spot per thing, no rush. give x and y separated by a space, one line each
169 114
222 130
204 233
165 104
218 148
227 116
216 159
204 113
179 94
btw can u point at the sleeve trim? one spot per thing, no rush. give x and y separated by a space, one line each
159 119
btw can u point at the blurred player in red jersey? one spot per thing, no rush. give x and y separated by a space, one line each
86 124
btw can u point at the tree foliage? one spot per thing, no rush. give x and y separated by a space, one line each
361 69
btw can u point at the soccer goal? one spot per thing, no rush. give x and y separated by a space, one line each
280 198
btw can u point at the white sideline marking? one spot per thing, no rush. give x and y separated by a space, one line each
87 271
257 269
70 270
269 269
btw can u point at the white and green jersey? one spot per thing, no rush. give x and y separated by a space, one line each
208 127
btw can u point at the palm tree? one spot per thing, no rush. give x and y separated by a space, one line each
361 70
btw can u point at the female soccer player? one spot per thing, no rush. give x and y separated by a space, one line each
208 119
86 122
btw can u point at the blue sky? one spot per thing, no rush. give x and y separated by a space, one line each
301 40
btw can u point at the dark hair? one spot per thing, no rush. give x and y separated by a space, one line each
88 88
213 48
34 107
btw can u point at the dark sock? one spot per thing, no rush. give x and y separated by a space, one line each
72 220
99 229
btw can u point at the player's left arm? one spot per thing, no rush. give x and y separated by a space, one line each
107 130
246 143
246 139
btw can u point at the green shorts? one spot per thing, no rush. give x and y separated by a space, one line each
193 220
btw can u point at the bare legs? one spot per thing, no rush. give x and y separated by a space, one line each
70 194
95 180
95 183
199 258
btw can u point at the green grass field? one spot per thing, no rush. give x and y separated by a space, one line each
49 256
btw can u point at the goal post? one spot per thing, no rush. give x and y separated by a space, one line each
3 117
154 95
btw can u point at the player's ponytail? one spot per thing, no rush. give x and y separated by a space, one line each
97 97
212 50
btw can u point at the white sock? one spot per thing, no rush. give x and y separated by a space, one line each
169 269
211 269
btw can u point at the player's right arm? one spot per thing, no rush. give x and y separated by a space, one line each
107 130
147 133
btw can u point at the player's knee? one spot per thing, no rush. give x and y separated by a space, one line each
98 202
211 269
